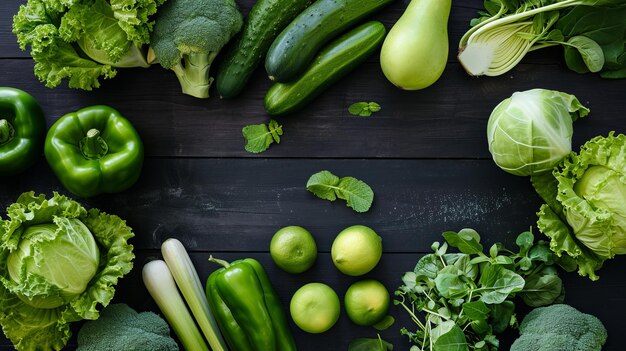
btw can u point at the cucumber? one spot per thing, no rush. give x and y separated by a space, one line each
265 21
294 48
333 62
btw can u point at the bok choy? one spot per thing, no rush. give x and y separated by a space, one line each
592 32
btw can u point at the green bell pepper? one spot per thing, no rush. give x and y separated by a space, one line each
22 131
94 150
247 307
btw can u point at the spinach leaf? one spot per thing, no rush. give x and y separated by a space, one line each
476 310
466 240
497 282
541 290
369 344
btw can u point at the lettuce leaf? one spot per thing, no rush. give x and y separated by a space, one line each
84 40
33 328
588 221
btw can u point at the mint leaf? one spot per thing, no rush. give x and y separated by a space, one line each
358 194
325 185
259 137
363 109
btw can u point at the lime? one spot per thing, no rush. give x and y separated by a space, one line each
356 250
315 307
367 302
293 249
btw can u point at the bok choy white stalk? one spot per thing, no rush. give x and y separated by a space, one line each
186 277
161 286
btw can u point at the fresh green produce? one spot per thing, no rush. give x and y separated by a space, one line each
332 63
415 52
560 328
585 210
58 263
327 186
293 249
363 109
592 33
247 307
356 250
297 45
22 131
122 328
265 20
94 150
160 283
366 302
188 282
259 137
530 132
466 298
315 307
187 37
84 40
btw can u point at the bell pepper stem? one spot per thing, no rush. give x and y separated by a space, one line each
92 146
218 261
6 131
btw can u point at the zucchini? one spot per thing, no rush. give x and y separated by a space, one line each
265 21
296 46
333 62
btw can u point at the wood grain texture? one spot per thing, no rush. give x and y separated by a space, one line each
424 154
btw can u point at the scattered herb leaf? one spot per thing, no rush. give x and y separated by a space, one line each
259 137
363 109
327 186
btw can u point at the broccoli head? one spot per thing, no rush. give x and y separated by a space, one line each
560 328
121 328
189 34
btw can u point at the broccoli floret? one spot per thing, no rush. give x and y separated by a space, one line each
560 328
189 34
121 328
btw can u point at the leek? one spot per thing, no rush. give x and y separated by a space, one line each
188 282
161 286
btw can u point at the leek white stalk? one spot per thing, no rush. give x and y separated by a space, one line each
161 286
188 282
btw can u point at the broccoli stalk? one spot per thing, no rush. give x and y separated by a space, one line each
187 37
192 72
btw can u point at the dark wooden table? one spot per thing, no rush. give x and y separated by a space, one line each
424 154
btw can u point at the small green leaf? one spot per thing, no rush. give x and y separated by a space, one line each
493 251
259 137
363 109
385 323
590 51
466 240
524 241
497 283
476 310
358 194
323 185
541 290
367 344
452 340
503 260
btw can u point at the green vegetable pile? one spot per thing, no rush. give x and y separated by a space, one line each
467 297
122 328
84 40
592 32
58 262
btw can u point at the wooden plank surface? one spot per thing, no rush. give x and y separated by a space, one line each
424 154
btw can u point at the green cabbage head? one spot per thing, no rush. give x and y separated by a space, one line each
58 263
530 132
585 213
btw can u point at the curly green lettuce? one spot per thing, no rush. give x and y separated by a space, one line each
59 263
84 40
585 210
